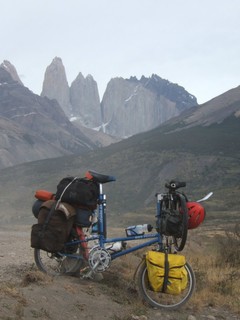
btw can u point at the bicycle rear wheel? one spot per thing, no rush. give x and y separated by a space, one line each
55 264
163 300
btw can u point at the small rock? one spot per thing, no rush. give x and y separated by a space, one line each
97 277
191 317
158 315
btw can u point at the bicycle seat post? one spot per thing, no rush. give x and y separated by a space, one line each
100 189
101 179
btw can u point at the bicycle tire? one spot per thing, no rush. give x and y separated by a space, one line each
163 300
179 242
55 264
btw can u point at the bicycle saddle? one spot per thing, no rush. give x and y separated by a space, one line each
98 177
174 185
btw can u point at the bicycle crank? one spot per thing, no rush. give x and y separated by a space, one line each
99 259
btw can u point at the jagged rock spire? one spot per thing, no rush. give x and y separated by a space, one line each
85 101
11 70
55 85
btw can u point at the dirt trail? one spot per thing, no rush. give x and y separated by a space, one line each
26 293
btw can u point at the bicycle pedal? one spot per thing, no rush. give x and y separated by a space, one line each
86 273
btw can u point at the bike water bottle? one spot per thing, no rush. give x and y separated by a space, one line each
138 230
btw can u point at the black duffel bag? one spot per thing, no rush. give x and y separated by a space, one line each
78 191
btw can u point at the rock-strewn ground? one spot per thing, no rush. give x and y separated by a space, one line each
26 293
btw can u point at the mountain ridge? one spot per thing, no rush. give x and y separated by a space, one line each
206 157
42 122
213 111
128 106
46 120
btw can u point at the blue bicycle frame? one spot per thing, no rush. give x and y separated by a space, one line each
102 238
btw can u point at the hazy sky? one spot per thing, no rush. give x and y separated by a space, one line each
194 43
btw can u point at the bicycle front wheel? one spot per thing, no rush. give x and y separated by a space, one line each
181 207
55 264
163 300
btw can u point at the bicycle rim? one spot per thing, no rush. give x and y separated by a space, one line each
54 264
179 242
164 300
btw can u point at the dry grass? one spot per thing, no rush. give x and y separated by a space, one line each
217 272
217 286
11 291
216 267
13 298
35 277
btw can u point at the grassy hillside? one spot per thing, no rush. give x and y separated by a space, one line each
207 158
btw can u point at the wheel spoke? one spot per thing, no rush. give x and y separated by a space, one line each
56 264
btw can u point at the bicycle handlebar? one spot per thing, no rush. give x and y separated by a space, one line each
174 185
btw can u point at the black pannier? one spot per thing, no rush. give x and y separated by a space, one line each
171 223
53 227
78 192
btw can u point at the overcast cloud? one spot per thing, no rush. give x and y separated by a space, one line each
195 43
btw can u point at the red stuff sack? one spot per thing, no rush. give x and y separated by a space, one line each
41 196
44 195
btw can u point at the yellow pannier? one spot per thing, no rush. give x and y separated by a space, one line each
166 272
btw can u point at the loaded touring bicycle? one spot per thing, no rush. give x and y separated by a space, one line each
164 279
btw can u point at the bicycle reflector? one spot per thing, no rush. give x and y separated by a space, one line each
196 214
